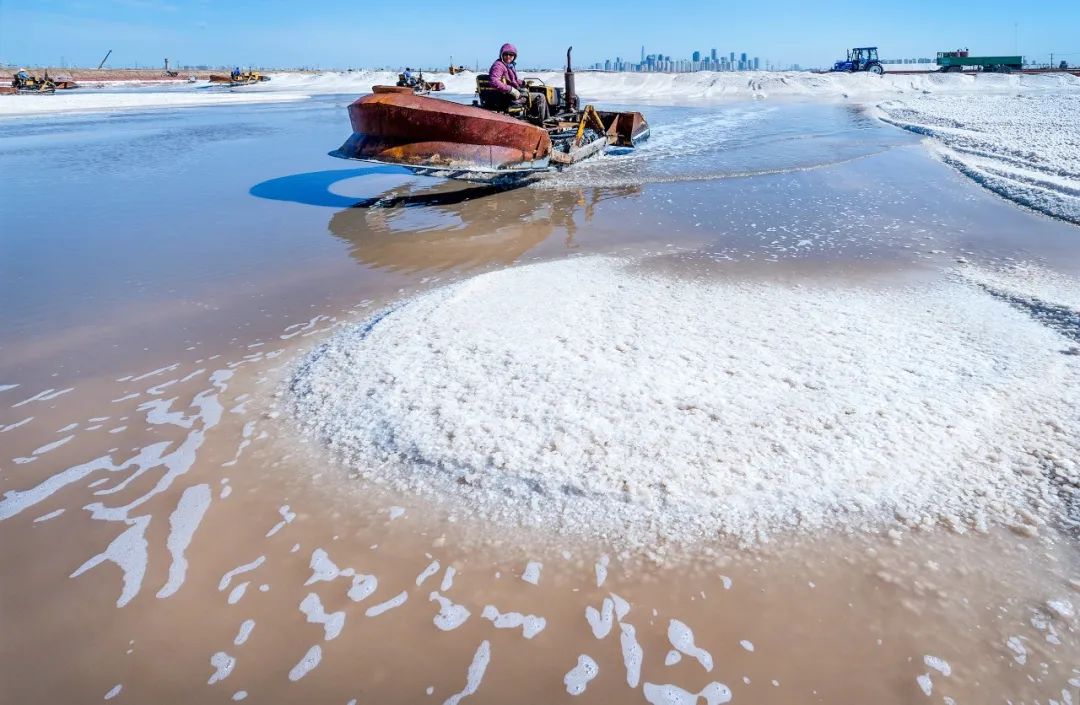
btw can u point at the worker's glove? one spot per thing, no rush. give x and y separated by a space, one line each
515 94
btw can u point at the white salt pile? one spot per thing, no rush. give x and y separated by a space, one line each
592 396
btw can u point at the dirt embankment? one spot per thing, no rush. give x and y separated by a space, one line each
92 75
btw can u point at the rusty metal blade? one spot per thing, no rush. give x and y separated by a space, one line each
426 133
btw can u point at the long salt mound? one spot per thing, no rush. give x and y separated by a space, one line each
593 397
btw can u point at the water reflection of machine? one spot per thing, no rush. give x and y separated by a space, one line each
450 227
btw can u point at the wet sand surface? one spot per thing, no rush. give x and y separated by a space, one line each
163 525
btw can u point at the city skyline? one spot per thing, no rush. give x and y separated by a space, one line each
714 60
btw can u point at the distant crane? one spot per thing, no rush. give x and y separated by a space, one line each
105 59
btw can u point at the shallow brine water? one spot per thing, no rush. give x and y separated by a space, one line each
170 533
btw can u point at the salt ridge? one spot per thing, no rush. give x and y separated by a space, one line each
700 86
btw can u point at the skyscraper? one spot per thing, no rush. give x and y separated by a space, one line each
697 56
713 55
643 53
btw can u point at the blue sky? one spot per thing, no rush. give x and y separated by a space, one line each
357 33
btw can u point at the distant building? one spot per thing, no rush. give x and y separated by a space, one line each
697 56
757 64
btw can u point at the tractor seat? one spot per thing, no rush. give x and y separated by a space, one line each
492 99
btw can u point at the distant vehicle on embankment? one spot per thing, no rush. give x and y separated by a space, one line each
961 60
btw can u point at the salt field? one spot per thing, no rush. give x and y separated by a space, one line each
779 407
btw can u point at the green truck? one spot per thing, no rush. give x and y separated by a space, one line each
956 61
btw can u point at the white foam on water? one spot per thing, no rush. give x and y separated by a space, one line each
17 424
332 622
682 638
44 395
530 624
50 515
577 678
226 579
396 512
672 658
395 601
244 632
5 387
632 654
238 592
287 517
475 674
448 578
114 691
938 664
600 621
749 646
668 694
601 568
451 615
306 664
183 522
532 572
362 587
129 552
323 569
52 446
239 695
1016 645
1062 608
925 684
431 570
622 607
645 406
223 666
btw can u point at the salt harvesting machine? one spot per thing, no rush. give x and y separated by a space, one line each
492 139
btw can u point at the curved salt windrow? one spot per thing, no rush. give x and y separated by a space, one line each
1025 148
590 396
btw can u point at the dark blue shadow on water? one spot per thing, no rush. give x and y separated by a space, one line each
313 187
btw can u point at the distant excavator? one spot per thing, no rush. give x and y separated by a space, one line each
238 78
24 82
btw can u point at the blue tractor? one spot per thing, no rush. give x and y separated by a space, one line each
860 59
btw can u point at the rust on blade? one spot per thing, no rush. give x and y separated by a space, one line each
626 129
387 125
392 89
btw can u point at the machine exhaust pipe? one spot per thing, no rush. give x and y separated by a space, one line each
568 80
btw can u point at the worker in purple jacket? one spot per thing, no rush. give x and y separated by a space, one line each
503 76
